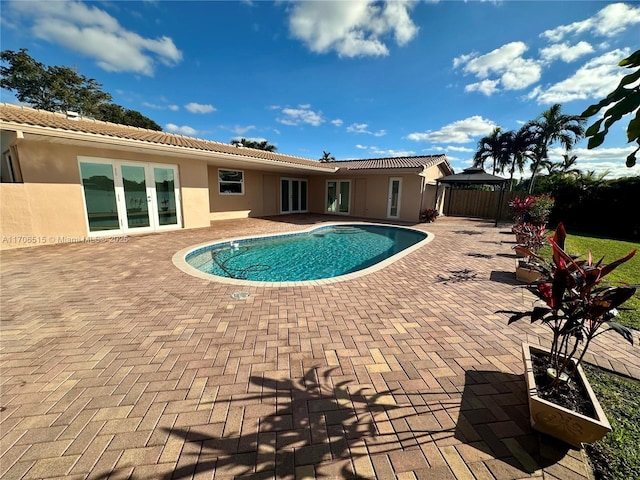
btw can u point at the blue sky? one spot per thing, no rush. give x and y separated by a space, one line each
359 79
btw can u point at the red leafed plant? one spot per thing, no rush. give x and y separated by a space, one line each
520 207
530 237
574 306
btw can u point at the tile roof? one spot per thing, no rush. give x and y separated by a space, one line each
21 115
59 121
395 162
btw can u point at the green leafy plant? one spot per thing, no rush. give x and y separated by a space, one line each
624 100
540 209
573 305
429 215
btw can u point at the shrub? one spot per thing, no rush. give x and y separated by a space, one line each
429 215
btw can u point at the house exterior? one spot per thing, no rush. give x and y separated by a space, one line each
65 177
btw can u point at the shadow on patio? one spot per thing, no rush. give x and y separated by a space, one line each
325 430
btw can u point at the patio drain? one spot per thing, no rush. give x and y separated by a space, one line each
240 295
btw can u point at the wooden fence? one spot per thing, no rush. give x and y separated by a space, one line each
477 203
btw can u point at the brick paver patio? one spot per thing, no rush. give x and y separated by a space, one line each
115 364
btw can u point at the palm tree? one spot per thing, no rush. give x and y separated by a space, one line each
553 126
492 146
257 144
326 157
519 146
567 163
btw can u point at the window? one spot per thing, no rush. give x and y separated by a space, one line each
9 169
230 182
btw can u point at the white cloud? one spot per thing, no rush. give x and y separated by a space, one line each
461 131
392 153
487 87
608 22
352 29
509 69
94 33
155 106
199 108
595 79
337 122
459 149
362 128
600 160
238 130
184 130
361 147
565 52
302 114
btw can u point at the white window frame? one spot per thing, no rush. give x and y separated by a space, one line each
220 182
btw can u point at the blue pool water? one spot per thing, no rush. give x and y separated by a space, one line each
324 252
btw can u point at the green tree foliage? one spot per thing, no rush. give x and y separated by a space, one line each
551 127
624 100
518 149
257 144
326 157
60 89
492 147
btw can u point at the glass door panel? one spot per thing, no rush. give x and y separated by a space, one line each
344 197
332 197
303 195
295 195
100 196
393 210
165 182
284 196
134 184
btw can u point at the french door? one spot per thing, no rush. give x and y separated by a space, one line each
393 199
293 195
338 196
122 196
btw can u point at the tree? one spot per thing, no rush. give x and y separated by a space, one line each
553 126
60 89
626 100
326 157
257 144
492 147
567 165
518 145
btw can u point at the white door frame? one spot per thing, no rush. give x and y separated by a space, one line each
290 181
338 197
121 207
390 197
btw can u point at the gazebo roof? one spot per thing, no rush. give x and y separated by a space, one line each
473 176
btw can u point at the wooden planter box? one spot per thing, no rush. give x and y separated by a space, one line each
559 422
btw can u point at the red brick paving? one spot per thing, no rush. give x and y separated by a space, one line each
115 364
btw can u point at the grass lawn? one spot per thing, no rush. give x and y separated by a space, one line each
616 456
628 272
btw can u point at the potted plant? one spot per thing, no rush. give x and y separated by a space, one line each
530 239
576 309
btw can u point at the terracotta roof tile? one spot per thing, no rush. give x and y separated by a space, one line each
395 162
59 121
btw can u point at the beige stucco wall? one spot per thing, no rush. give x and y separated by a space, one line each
50 203
369 195
260 197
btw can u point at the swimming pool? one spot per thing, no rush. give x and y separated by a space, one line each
328 252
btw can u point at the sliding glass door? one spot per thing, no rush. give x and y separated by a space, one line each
132 197
293 195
